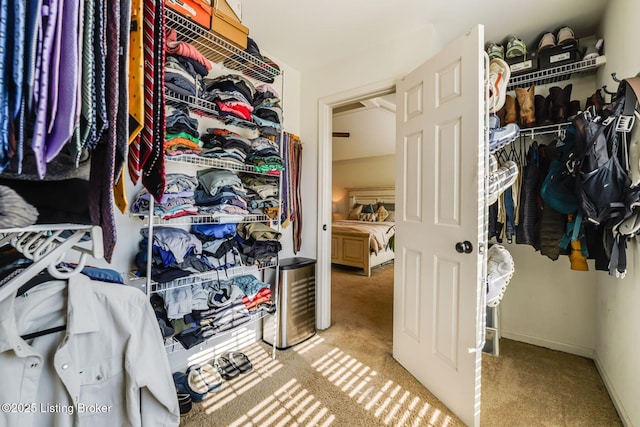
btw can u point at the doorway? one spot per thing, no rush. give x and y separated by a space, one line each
325 206
363 163
441 99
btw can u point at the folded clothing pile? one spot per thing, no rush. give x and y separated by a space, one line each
192 314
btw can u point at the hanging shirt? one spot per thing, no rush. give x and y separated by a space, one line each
108 369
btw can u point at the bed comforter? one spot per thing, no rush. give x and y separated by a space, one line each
380 232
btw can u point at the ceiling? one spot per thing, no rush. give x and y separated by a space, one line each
372 132
309 34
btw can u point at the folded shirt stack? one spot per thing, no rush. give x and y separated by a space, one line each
262 194
177 201
223 194
226 146
258 242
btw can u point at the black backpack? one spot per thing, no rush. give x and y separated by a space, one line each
602 182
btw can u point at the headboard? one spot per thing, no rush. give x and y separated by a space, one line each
372 195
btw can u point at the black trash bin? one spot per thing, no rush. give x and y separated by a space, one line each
296 304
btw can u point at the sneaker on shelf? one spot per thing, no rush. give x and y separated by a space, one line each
515 47
501 136
501 179
565 35
548 40
495 50
499 75
593 49
500 270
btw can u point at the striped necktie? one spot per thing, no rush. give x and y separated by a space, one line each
88 110
152 135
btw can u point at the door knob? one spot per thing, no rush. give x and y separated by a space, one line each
464 247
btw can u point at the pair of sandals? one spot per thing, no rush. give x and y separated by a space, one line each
515 47
232 364
195 385
203 379
564 36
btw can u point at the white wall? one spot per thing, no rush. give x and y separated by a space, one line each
618 301
548 304
356 173
555 309
390 60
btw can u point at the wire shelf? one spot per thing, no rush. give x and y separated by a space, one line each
218 50
557 128
207 219
193 102
194 159
556 74
47 227
199 106
172 345
196 279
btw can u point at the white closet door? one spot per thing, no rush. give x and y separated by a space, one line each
439 146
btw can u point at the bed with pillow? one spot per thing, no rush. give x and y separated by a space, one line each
365 239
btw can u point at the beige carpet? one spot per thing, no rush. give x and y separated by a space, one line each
346 376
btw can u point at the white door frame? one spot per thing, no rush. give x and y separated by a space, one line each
325 120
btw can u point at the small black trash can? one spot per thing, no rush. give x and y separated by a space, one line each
296 304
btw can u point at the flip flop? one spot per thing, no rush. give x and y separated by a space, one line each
183 385
240 361
184 402
211 376
226 368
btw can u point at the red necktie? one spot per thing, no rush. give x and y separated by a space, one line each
152 135
146 134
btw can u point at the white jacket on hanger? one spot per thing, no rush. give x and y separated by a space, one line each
108 369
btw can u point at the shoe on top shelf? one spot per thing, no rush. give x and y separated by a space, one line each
495 50
499 75
515 47
500 269
548 40
565 35
593 49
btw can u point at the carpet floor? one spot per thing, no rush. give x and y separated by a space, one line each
346 376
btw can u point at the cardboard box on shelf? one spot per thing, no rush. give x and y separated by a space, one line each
198 11
230 8
523 63
229 28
